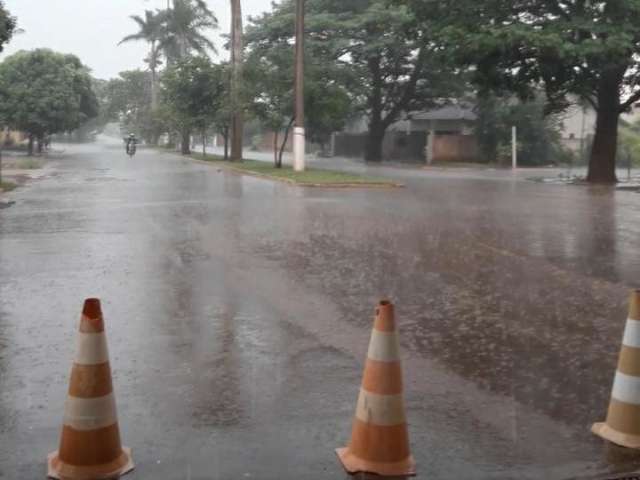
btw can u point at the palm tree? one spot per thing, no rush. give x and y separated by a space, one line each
184 26
151 30
184 33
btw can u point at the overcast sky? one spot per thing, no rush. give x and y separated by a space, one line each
92 29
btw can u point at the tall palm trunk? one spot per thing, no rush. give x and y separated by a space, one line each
154 76
236 78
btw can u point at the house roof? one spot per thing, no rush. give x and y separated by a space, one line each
449 112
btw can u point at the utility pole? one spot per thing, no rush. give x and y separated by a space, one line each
236 78
298 131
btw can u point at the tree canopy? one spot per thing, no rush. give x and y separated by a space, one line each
43 92
7 25
378 54
538 133
575 49
194 90
268 90
184 27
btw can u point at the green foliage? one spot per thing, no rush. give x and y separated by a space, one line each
7 25
184 27
28 164
151 29
127 99
586 49
7 186
268 77
328 108
194 90
371 58
269 91
538 134
176 34
567 46
43 92
88 130
629 144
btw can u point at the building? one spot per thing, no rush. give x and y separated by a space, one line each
450 127
579 124
10 137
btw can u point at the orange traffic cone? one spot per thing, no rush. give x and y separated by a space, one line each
90 441
379 437
623 418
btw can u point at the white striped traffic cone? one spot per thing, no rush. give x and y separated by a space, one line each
622 426
379 437
90 446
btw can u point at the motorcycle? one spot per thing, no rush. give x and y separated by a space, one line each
131 150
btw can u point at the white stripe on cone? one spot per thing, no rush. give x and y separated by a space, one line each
383 346
91 349
626 388
90 413
382 410
632 333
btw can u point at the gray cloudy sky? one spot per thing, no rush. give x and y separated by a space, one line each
92 29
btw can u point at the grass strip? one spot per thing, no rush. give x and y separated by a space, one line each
312 177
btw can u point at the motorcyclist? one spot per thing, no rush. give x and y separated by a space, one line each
131 141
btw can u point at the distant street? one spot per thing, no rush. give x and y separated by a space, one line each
238 314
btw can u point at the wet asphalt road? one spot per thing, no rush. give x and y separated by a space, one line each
238 314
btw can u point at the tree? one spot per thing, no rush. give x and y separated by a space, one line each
387 64
223 116
184 26
43 92
268 85
586 49
269 93
222 121
538 133
7 25
193 89
88 130
151 29
128 101
328 107
236 79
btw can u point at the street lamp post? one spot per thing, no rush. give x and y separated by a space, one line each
298 131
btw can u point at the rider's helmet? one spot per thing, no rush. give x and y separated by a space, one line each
132 135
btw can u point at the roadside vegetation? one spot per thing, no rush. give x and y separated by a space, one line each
24 164
374 62
6 186
629 144
310 177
